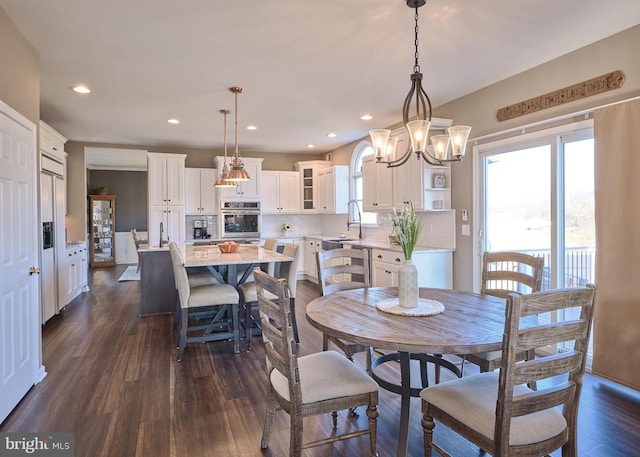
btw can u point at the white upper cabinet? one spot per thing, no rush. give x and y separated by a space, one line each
200 195
280 192
308 170
245 190
165 174
377 186
333 190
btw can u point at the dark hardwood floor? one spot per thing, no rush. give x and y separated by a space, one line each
114 382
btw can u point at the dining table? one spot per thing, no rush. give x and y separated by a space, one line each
469 323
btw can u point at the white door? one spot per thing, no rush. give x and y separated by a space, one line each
19 296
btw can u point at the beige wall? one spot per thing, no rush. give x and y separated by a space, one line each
618 52
19 71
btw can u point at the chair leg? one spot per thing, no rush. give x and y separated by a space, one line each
184 324
268 420
235 322
372 414
295 444
428 425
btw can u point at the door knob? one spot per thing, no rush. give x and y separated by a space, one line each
34 270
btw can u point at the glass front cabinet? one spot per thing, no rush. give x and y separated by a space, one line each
103 221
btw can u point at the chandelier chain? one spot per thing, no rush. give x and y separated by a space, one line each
416 67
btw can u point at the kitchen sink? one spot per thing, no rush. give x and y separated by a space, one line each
335 243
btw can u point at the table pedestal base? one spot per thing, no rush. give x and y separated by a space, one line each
405 389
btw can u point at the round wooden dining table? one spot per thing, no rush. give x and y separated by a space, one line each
470 323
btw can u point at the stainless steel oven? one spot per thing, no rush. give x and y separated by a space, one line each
240 220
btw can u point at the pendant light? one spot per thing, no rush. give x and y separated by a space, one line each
418 128
237 173
222 181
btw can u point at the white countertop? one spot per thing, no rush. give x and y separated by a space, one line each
376 244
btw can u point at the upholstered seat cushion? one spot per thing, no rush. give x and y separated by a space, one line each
217 294
472 401
249 294
325 375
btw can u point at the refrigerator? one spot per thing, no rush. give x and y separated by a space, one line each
52 212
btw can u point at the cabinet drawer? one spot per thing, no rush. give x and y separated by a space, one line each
382 255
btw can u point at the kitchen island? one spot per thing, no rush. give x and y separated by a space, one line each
158 293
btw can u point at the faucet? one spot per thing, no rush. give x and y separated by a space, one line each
359 218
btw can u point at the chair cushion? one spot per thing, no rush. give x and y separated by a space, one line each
249 293
216 294
472 401
325 375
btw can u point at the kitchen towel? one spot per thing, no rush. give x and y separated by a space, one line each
130 274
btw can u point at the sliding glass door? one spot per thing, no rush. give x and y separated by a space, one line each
538 198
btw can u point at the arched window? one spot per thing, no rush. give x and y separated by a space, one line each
362 150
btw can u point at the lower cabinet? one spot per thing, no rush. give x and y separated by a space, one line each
75 278
311 247
435 268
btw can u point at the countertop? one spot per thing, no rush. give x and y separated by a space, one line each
377 244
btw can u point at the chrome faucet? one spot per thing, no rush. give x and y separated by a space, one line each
349 222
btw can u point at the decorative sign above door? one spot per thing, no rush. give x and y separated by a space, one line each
584 89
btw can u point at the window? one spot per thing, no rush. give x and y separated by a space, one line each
537 197
362 150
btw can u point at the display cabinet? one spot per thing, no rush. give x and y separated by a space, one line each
103 222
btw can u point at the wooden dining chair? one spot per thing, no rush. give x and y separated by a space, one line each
504 273
207 312
497 411
249 296
344 269
319 383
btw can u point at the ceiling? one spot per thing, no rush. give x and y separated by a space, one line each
307 68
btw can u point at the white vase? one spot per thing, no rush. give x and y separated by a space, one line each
408 285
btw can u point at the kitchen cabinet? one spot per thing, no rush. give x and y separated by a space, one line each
245 190
308 170
311 247
166 191
435 268
102 209
333 190
76 271
172 219
280 192
165 176
377 185
200 195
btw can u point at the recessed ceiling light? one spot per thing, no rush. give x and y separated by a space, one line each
173 121
332 135
367 117
252 127
80 89
311 146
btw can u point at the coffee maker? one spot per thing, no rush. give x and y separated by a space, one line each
200 227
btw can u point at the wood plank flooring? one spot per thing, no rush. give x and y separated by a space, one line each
114 382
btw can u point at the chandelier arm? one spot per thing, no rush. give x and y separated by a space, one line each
431 160
406 106
401 161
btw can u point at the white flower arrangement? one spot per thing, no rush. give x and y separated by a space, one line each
285 227
407 225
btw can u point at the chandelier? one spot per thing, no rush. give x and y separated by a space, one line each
444 148
237 172
222 181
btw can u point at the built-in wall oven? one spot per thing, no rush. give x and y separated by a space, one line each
240 220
